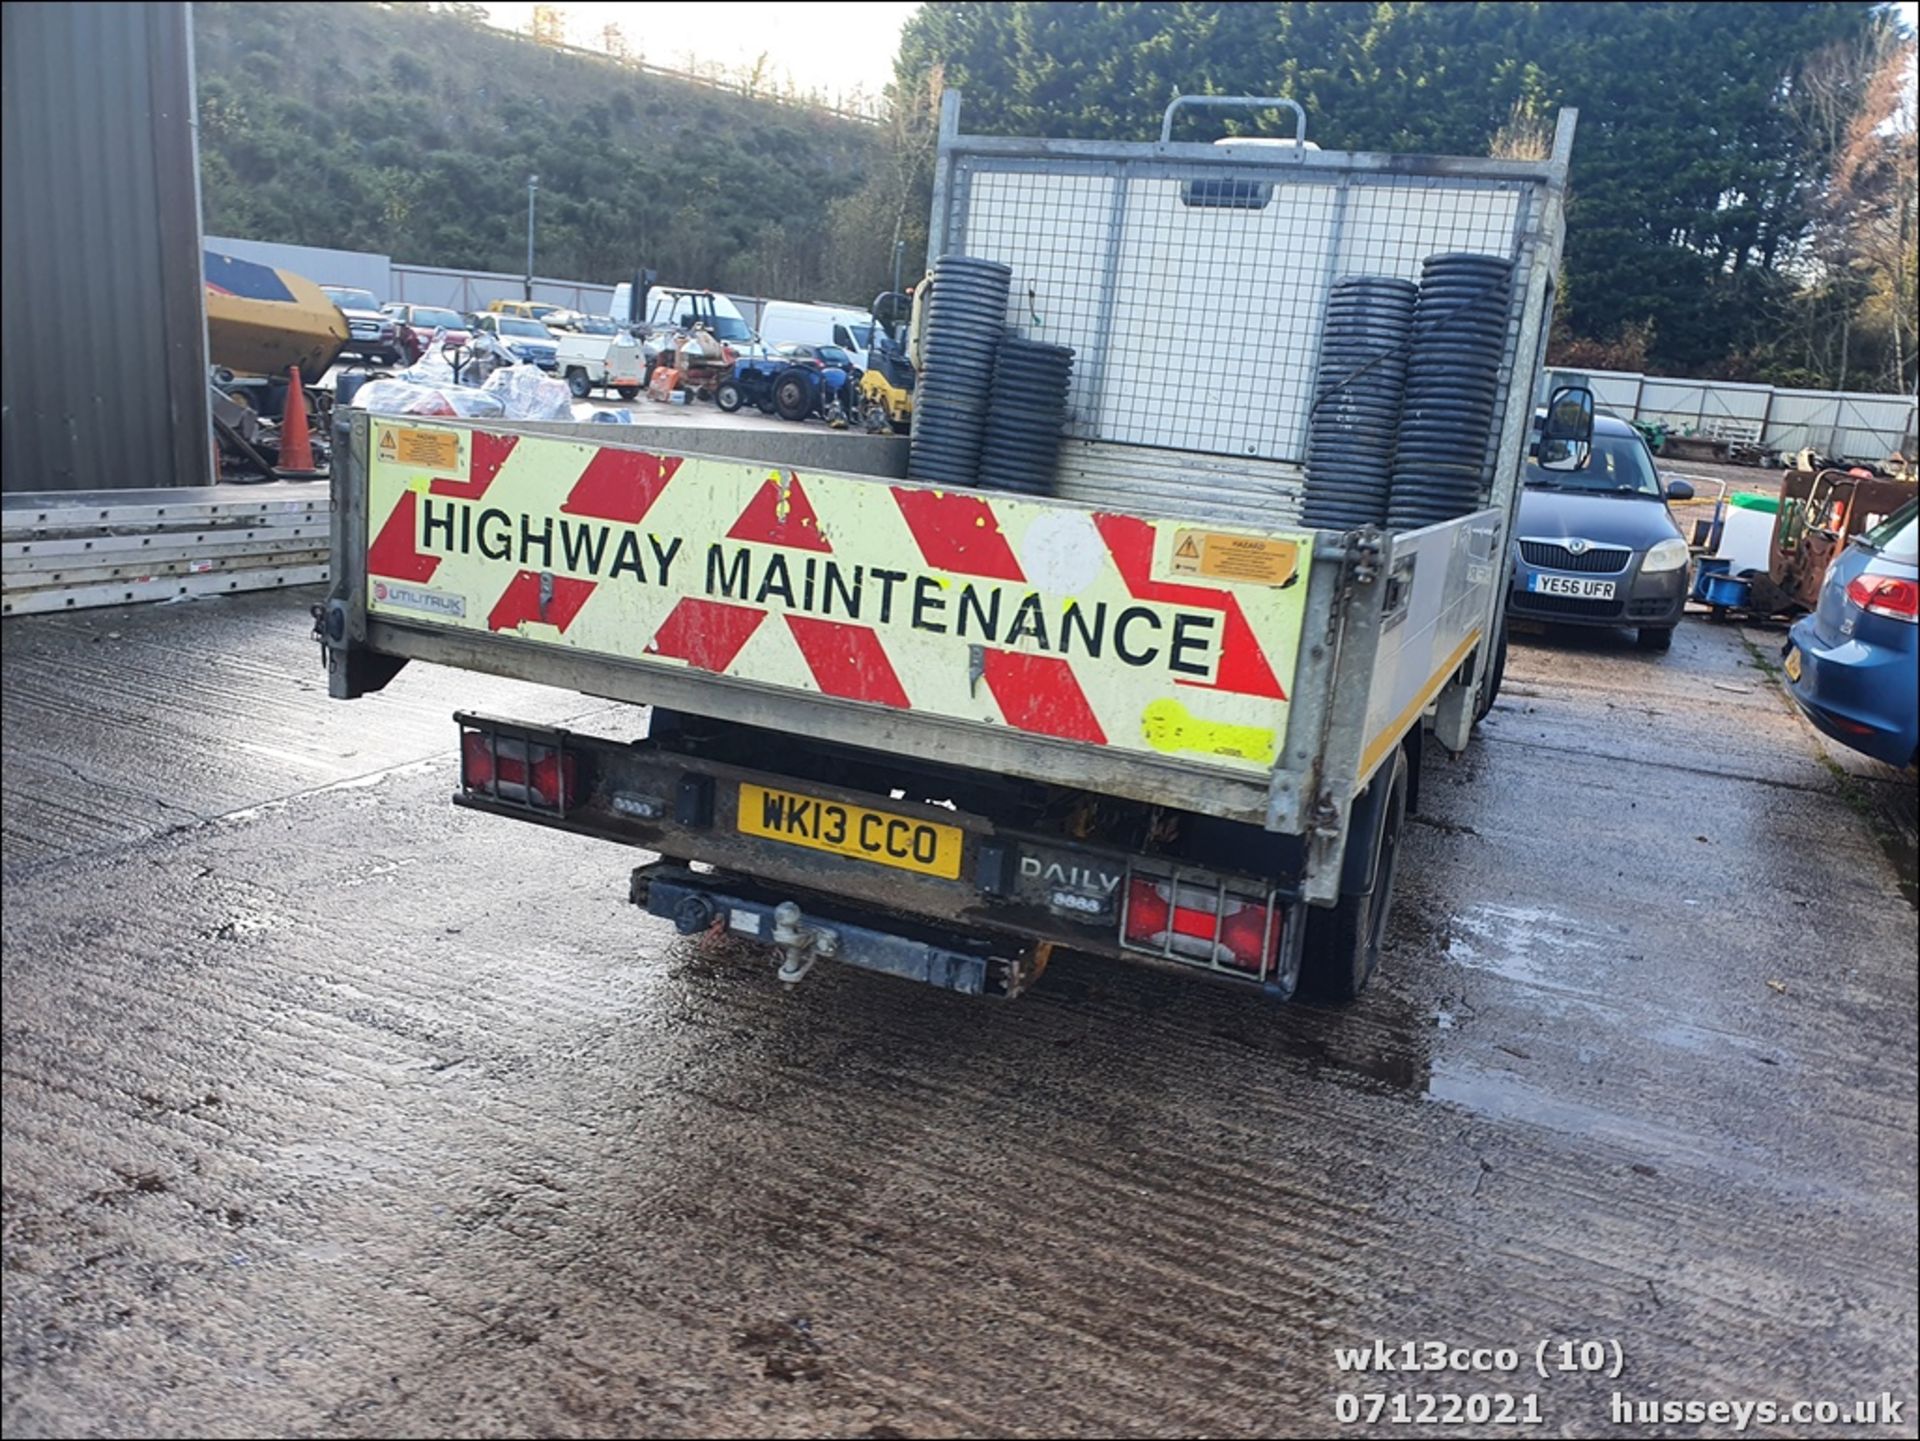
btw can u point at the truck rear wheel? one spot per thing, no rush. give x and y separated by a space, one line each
1342 944
626 392
578 383
1490 692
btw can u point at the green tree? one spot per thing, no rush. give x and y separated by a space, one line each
1692 186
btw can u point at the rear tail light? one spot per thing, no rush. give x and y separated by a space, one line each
1204 923
1888 595
508 769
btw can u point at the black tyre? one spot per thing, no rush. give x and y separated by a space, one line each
1490 692
1656 638
728 397
1342 944
578 384
626 392
792 397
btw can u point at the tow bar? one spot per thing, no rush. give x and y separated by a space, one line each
800 944
697 901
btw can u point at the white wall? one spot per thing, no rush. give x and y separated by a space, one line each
312 262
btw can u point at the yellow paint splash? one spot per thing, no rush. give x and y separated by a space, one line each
1170 726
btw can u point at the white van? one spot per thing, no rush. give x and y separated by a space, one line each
787 322
683 307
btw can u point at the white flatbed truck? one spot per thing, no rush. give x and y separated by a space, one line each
939 733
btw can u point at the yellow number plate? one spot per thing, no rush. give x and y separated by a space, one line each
1793 664
867 835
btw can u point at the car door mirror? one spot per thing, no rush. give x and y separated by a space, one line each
1679 490
1566 434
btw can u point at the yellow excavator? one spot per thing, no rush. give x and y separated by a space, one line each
260 322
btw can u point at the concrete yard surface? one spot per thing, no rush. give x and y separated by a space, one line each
332 1109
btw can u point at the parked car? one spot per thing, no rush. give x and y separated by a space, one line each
371 336
528 340
785 322
417 324
524 309
1598 546
1853 666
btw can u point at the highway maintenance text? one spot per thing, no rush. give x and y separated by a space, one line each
1183 641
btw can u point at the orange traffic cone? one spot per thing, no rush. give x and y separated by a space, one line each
296 446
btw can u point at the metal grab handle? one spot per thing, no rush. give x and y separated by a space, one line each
1250 102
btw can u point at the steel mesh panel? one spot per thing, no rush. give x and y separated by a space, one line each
1394 224
1194 297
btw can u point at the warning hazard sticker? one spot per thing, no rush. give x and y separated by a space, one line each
418 448
1218 555
1041 616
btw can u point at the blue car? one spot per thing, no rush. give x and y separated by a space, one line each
1854 665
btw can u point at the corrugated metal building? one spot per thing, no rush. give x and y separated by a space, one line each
105 337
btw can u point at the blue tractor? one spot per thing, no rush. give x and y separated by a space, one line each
794 382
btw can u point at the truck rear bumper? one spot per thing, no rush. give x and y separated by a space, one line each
914 888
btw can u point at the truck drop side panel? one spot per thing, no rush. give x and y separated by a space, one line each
1148 656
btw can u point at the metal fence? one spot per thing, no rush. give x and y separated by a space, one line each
1857 424
465 290
360 269
441 285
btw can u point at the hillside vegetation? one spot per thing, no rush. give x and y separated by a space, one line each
412 131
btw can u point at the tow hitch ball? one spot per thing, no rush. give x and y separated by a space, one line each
800 944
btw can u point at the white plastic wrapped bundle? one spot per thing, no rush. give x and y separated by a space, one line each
395 396
484 356
433 367
528 393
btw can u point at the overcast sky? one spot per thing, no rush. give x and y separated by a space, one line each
834 48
